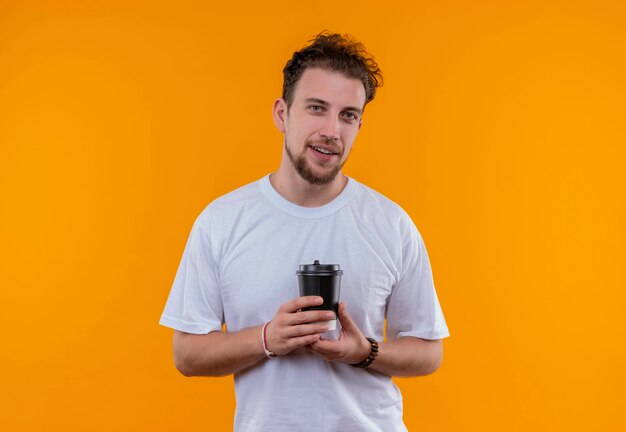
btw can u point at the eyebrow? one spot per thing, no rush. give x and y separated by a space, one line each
324 103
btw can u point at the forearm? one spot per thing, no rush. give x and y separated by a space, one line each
408 356
217 353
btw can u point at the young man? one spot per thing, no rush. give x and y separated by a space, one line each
239 266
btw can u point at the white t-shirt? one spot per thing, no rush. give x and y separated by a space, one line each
239 266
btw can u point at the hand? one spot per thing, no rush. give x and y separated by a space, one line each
351 348
292 328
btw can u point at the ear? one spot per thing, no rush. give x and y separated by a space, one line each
280 114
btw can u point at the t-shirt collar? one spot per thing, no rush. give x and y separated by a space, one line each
306 212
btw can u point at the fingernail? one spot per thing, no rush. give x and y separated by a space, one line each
319 300
330 315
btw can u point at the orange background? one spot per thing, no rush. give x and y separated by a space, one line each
500 129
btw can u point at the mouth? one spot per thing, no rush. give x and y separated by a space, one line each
323 151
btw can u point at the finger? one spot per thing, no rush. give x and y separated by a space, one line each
305 329
307 317
323 345
346 322
326 348
301 302
303 341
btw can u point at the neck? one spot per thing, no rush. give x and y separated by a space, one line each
288 183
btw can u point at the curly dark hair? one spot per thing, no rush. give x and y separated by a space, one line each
337 53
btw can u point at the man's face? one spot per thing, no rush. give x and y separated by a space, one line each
322 123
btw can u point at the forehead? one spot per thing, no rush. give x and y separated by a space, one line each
332 87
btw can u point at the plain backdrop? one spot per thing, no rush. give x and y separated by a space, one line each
500 129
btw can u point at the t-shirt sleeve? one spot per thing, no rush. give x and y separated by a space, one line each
195 304
413 308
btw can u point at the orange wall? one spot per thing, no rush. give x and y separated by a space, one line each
500 129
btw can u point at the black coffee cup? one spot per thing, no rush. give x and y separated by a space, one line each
322 280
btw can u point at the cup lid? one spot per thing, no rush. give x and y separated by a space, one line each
316 267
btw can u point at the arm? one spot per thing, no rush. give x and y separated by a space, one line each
405 356
408 356
218 354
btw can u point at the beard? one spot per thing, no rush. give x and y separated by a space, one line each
304 170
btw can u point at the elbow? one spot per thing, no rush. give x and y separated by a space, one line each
433 360
436 358
433 365
185 372
183 351
182 365
192 366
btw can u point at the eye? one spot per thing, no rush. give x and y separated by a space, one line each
351 116
315 108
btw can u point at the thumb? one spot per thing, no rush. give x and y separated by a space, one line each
346 322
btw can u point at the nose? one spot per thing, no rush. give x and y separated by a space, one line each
330 128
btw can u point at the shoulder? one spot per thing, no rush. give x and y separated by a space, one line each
228 206
374 198
378 205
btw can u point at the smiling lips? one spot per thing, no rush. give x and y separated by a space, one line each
323 153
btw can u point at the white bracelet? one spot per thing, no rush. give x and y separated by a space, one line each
268 353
